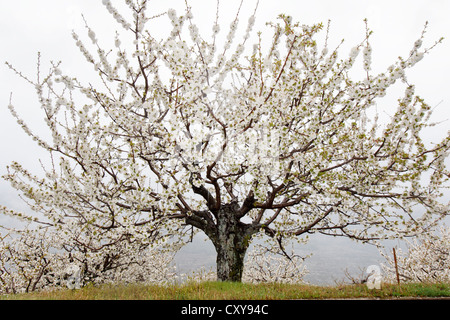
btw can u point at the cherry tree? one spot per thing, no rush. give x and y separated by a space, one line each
43 259
265 264
234 139
427 259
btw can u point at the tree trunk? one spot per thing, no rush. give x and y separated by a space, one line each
230 236
231 240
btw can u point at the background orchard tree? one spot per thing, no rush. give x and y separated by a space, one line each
42 259
235 139
426 259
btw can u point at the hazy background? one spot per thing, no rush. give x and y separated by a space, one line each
29 26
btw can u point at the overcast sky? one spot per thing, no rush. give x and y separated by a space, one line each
29 26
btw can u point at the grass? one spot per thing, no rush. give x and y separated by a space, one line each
238 291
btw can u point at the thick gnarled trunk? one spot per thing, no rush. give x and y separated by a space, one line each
230 262
231 243
231 238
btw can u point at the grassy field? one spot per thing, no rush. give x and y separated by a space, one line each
238 291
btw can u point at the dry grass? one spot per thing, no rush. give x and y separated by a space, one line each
237 291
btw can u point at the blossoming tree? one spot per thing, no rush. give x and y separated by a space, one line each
426 259
232 139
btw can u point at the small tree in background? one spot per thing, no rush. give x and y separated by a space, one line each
426 259
233 139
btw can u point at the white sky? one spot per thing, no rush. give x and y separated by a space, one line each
29 26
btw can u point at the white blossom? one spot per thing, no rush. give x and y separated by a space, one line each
216 28
354 52
367 57
172 14
92 36
418 44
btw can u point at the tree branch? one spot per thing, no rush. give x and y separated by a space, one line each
202 191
